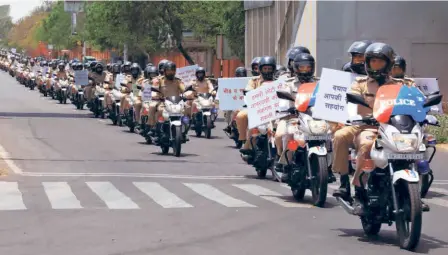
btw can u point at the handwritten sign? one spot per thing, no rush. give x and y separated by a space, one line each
118 79
285 84
230 91
147 93
187 74
82 77
262 104
428 86
331 98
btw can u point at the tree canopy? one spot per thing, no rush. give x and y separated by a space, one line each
143 26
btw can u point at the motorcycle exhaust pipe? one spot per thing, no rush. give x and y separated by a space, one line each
346 206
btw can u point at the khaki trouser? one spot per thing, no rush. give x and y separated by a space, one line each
363 138
89 92
228 116
137 108
107 98
281 138
242 121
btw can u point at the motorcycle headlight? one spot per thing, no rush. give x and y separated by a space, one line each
263 129
405 142
318 127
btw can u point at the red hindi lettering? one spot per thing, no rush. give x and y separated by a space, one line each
241 97
234 97
235 90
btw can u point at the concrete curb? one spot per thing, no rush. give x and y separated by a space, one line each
443 147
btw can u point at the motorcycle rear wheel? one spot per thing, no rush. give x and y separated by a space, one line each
409 223
370 228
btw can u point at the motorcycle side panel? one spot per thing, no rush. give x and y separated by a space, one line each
176 123
318 150
407 175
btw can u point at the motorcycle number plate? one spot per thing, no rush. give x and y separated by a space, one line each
317 137
176 114
405 156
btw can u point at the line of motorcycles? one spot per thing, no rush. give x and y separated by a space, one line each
397 179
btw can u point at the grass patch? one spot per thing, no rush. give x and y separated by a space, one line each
441 133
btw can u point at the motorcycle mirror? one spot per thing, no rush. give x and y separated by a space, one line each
155 90
189 88
357 99
139 87
434 93
433 100
285 95
244 92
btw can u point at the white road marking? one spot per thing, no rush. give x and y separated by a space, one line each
11 197
61 196
216 195
7 158
161 196
113 198
136 175
439 190
269 195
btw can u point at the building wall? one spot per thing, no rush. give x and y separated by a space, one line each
416 30
270 29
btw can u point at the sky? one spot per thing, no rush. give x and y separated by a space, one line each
20 8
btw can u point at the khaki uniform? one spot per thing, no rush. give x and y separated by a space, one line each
168 88
126 91
292 84
90 89
204 86
242 120
363 137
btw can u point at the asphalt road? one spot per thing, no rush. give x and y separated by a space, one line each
78 185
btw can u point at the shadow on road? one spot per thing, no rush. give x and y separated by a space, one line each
389 238
42 115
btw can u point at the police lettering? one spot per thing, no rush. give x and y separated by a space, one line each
407 102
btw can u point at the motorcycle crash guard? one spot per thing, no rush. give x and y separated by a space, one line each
408 175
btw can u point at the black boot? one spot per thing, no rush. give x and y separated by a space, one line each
425 207
344 190
358 205
228 130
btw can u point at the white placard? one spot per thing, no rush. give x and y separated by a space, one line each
13 50
44 70
262 104
187 74
146 93
82 77
35 69
331 102
427 86
230 91
118 79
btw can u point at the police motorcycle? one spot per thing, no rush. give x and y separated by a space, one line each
392 191
97 107
114 110
172 126
128 116
205 117
308 168
234 134
62 92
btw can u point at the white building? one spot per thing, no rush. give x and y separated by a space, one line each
416 30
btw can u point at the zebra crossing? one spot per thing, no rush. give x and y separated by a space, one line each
60 195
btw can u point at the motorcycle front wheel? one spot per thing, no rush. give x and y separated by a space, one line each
409 221
319 180
177 143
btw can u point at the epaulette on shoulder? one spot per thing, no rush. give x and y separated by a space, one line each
361 78
408 79
398 80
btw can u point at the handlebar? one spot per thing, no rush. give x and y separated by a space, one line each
291 110
368 120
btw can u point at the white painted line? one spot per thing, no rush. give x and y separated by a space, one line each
216 195
269 195
7 158
436 201
136 175
439 190
113 198
161 196
11 197
61 196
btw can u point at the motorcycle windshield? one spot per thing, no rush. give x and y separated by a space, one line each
306 96
174 99
400 99
204 95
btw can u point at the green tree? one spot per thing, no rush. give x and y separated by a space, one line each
5 23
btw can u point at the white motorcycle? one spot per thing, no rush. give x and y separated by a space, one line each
172 127
204 119
392 192
310 162
62 93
